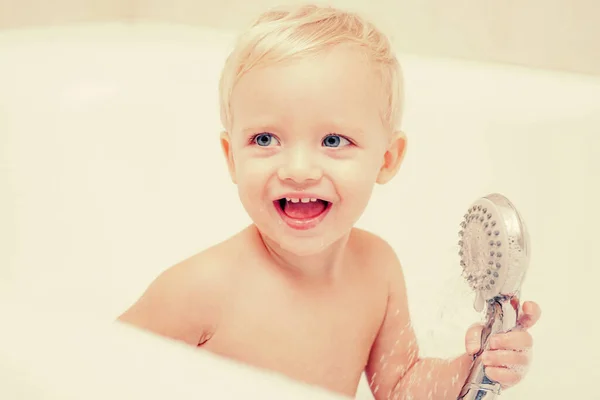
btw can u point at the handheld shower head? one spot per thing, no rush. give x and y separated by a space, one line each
494 251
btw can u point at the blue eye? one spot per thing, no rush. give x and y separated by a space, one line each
264 139
335 141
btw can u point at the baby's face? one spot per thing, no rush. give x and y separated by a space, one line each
306 147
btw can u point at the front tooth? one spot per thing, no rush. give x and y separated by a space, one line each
295 200
305 200
313 199
288 199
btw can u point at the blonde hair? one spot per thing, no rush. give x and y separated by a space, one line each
286 33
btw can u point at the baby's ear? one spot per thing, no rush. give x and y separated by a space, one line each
392 158
226 146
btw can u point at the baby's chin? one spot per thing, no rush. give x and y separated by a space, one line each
303 247
300 245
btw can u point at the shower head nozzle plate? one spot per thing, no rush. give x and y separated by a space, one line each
494 248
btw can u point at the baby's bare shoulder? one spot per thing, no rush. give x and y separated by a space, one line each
183 301
372 247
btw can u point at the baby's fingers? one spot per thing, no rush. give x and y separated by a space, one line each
517 360
473 339
515 340
506 377
531 312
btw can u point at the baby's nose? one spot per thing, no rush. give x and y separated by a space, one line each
300 166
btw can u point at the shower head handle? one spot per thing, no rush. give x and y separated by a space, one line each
502 316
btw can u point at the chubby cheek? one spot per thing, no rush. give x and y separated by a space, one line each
252 179
354 182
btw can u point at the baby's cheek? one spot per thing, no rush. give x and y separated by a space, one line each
253 168
355 188
358 170
254 177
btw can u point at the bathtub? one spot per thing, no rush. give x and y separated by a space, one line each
109 146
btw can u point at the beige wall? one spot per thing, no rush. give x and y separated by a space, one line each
551 34
22 13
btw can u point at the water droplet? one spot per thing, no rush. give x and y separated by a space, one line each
373 379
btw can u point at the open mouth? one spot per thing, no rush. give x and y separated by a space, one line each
302 213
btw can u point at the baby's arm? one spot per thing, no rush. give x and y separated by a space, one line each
177 304
395 370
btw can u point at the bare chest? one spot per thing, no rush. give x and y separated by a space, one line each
323 340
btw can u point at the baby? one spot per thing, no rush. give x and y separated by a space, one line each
311 101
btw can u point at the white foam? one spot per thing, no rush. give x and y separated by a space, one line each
48 355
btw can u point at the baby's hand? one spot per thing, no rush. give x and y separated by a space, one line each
509 356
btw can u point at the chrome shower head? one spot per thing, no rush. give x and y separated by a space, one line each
494 248
494 254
